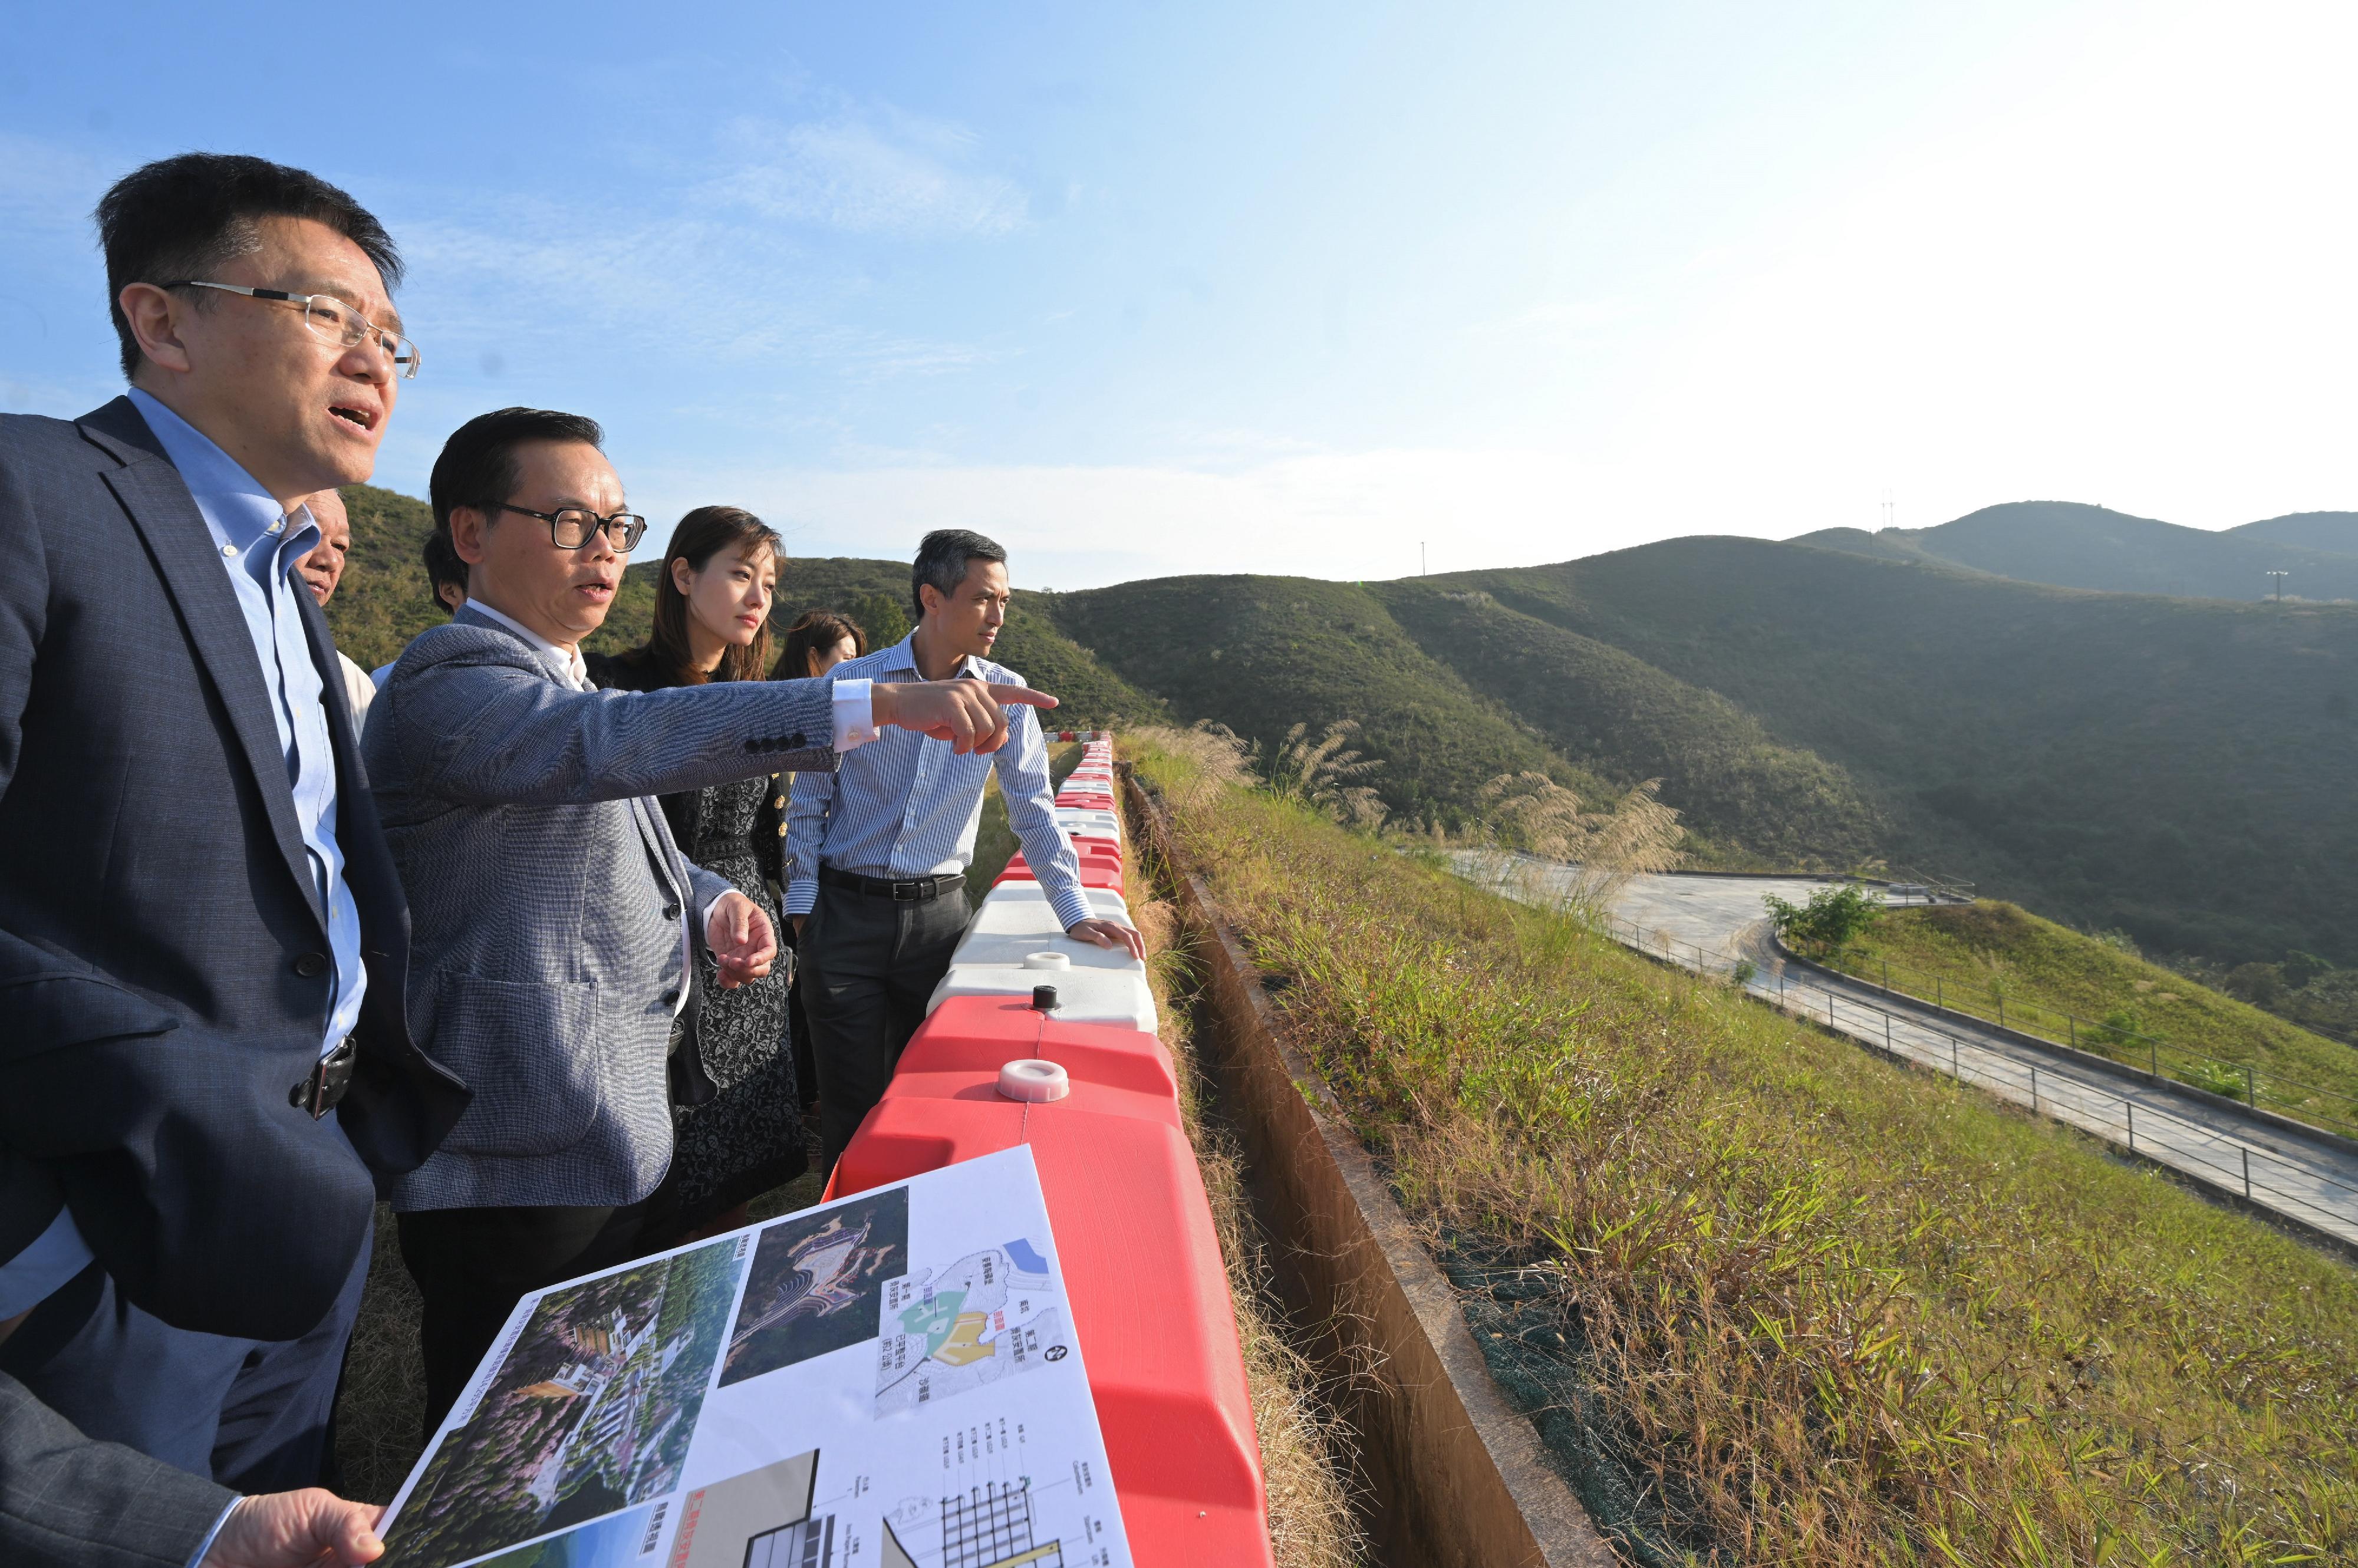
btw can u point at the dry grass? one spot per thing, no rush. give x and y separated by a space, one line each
1812 1308
1306 1447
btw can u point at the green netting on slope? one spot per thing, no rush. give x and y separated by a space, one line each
1529 1332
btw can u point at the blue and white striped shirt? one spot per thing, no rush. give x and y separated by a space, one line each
905 806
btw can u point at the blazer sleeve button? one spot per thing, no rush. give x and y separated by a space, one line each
311 966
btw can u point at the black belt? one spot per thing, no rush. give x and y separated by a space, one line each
324 1089
907 890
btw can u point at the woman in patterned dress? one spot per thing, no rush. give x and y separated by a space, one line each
712 623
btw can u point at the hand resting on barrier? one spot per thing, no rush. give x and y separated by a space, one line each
1107 934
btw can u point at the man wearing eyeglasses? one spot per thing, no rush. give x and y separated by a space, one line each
204 1064
553 918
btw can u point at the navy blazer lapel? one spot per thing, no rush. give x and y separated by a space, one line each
166 515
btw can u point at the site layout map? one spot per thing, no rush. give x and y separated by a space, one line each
887 1382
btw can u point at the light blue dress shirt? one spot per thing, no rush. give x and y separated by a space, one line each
260 545
906 806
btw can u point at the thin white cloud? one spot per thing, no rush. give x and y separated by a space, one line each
733 270
847 174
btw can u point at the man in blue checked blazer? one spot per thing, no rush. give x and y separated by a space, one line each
555 918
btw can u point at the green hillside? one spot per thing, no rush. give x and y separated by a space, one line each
1765 1297
2175 768
2073 545
1262 654
384 600
1994 957
2334 531
1620 716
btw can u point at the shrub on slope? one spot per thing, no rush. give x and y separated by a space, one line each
2043 970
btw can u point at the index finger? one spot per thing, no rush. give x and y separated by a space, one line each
1021 694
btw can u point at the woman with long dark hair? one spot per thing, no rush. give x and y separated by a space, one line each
817 642
742 1134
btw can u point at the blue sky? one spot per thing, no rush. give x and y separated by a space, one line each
1306 288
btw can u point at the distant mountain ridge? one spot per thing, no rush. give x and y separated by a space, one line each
2074 545
2174 767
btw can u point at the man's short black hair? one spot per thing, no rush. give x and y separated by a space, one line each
444 568
477 466
185 217
942 558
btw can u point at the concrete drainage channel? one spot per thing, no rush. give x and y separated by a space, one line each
1456 1475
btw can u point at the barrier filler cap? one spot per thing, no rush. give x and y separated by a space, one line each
1034 1081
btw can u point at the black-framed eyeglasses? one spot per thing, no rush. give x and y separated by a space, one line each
331 320
570 527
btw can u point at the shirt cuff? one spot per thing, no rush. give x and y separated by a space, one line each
32 1276
195 1559
802 896
1072 905
855 714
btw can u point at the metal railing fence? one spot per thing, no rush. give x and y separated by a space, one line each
2316 1197
2321 1106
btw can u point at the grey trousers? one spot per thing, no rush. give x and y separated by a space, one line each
869 967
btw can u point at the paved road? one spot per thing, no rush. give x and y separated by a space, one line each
1712 923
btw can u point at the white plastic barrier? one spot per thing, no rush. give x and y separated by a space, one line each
1091 824
1015 914
1017 942
1115 996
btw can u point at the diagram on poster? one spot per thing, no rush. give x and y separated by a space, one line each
888 1379
989 1316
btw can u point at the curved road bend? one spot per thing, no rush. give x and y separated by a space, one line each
1711 922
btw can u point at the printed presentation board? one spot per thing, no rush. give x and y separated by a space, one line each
890 1380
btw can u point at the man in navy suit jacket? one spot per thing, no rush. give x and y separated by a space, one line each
205 1072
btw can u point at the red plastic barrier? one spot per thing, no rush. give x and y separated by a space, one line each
982 1034
1097 871
1150 1300
970 1086
1083 801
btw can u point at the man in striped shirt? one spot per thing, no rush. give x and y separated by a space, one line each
877 853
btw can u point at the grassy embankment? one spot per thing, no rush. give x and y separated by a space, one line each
1991 954
1306 1447
1771 1299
